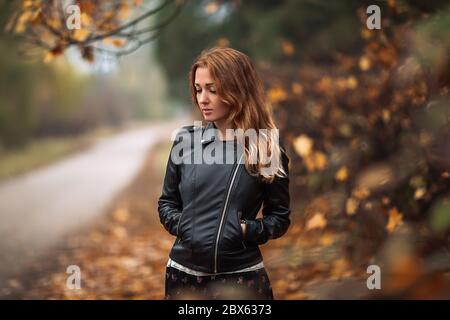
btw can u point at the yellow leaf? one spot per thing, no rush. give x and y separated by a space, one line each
85 19
352 82
303 145
27 4
341 268
124 11
49 56
55 23
351 206
80 34
297 88
118 43
276 95
395 220
316 161
320 159
419 193
364 63
366 33
327 240
22 22
325 84
342 174
318 221
287 48
386 115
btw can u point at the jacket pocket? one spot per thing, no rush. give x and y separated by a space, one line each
241 232
184 233
179 232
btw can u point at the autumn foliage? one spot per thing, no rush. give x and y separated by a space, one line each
116 27
370 138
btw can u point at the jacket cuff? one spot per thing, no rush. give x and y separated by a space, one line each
254 230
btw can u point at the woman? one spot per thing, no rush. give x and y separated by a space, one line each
211 207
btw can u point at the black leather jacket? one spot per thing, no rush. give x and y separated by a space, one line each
202 205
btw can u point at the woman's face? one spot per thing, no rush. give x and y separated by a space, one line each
211 106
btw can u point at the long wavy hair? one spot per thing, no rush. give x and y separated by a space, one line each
239 87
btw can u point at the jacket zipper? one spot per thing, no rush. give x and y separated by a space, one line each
223 213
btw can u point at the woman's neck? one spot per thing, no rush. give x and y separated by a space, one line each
223 125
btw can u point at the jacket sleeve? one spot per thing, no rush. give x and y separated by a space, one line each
276 210
170 204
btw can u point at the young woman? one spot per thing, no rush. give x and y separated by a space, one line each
211 207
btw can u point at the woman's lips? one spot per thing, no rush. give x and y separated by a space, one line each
207 111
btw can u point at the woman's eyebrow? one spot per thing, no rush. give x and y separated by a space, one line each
208 84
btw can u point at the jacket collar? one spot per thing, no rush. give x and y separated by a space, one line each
210 133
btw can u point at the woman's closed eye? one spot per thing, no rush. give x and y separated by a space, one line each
210 90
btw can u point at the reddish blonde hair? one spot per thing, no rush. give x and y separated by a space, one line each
239 87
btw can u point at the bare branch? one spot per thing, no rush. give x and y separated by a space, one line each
48 15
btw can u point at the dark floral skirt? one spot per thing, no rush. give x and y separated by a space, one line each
242 285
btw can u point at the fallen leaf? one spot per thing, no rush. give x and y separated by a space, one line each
351 206
395 220
342 174
318 221
303 145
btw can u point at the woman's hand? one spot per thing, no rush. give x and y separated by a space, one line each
243 227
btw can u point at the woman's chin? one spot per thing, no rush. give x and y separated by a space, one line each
209 118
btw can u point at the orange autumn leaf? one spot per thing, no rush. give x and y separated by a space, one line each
297 88
124 11
364 63
318 221
276 95
341 268
87 7
341 174
316 161
80 34
395 220
325 84
288 48
351 206
86 20
303 145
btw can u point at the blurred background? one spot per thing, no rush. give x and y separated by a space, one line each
86 116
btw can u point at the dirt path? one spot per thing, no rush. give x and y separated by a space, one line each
38 208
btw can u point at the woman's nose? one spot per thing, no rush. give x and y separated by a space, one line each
203 97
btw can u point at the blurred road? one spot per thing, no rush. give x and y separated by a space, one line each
38 208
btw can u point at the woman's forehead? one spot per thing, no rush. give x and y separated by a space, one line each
203 76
